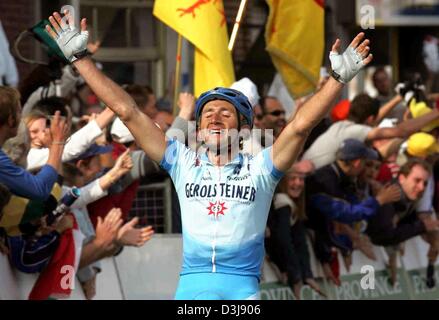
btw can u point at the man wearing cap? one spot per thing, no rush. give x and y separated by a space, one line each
332 197
224 195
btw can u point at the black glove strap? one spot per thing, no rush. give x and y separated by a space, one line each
335 75
82 54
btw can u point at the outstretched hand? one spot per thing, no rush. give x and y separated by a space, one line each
107 229
59 129
346 66
124 163
70 40
128 235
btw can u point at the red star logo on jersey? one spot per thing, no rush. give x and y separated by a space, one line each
216 208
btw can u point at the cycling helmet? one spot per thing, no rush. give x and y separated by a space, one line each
235 97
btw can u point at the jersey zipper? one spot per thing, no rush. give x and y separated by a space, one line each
215 231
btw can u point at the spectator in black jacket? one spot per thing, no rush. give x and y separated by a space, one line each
332 197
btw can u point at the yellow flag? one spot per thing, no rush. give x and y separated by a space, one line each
203 23
295 40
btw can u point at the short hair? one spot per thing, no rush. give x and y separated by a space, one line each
148 89
263 104
70 172
138 93
9 103
51 104
408 166
32 116
362 107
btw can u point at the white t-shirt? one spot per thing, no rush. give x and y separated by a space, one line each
322 152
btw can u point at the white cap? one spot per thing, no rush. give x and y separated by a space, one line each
248 88
120 132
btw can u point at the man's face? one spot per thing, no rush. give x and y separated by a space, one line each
257 110
414 184
164 120
382 83
150 109
356 167
295 184
218 117
38 133
372 168
274 117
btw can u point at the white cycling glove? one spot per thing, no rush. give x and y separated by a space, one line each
345 66
72 42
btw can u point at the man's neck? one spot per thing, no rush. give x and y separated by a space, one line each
222 158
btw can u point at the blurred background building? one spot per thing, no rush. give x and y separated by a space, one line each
138 48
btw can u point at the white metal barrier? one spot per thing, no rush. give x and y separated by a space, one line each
152 272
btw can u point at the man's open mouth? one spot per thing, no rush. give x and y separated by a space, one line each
216 131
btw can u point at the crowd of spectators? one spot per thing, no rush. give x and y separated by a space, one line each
367 176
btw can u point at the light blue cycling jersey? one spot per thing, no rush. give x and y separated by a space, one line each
223 209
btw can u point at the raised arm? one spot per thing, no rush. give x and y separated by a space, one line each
73 43
104 118
346 66
182 125
404 129
386 108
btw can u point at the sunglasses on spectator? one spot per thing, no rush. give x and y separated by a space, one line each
276 113
259 116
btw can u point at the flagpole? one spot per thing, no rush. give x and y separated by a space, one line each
237 24
177 75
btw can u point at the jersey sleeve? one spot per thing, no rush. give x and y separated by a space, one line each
177 160
263 171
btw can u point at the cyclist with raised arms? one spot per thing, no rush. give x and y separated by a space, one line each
224 195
